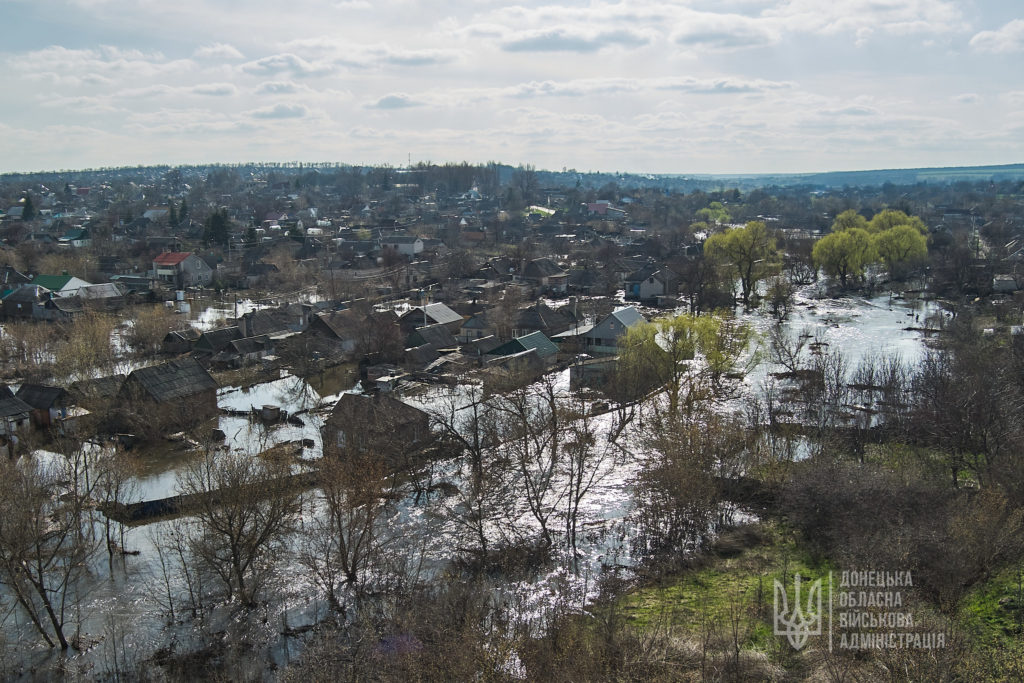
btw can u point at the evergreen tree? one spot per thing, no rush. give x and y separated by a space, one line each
29 211
217 228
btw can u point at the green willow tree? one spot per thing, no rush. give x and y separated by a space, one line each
749 250
849 220
845 255
660 352
899 247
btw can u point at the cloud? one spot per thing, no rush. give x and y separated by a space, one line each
719 86
852 110
395 101
573 40
215 89
419 57
864 17
358 56
602 86
725 32
1009 38
967 98
280 111
287 63
105 62
277 88
1013 97
218 51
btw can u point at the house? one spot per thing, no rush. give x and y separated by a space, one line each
437 336
75 238
339 327
27 301
405 245
96 393
431 314
180 341
278 323
1004 284
156 213
379 425
505 372
541 318
216 340
603 337
592 373
180 269
106 296
49 404
651 282
545 273
62 308
374 333
244 351
61 285
169 396
15 416
476 327
603 209
535 341
11 278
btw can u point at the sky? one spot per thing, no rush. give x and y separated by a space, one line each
647 86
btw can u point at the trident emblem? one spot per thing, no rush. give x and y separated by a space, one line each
803 621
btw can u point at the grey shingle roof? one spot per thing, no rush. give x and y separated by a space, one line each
40 396
628 316
437 336
169 381
436 313
10 407
216 340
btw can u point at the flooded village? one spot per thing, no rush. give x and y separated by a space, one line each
286 422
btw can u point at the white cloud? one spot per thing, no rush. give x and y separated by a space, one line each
395 101
967 98
107 62
218 51
356 55
726 32
215 89
277 88
573 40
287 63
280 111
1009 38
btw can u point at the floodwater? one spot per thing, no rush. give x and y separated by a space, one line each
307 401
124 608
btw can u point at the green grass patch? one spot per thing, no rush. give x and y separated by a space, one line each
736 582
994 610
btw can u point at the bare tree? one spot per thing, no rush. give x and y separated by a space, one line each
43 546
526 426
245 505
469 422
343 542
584 455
